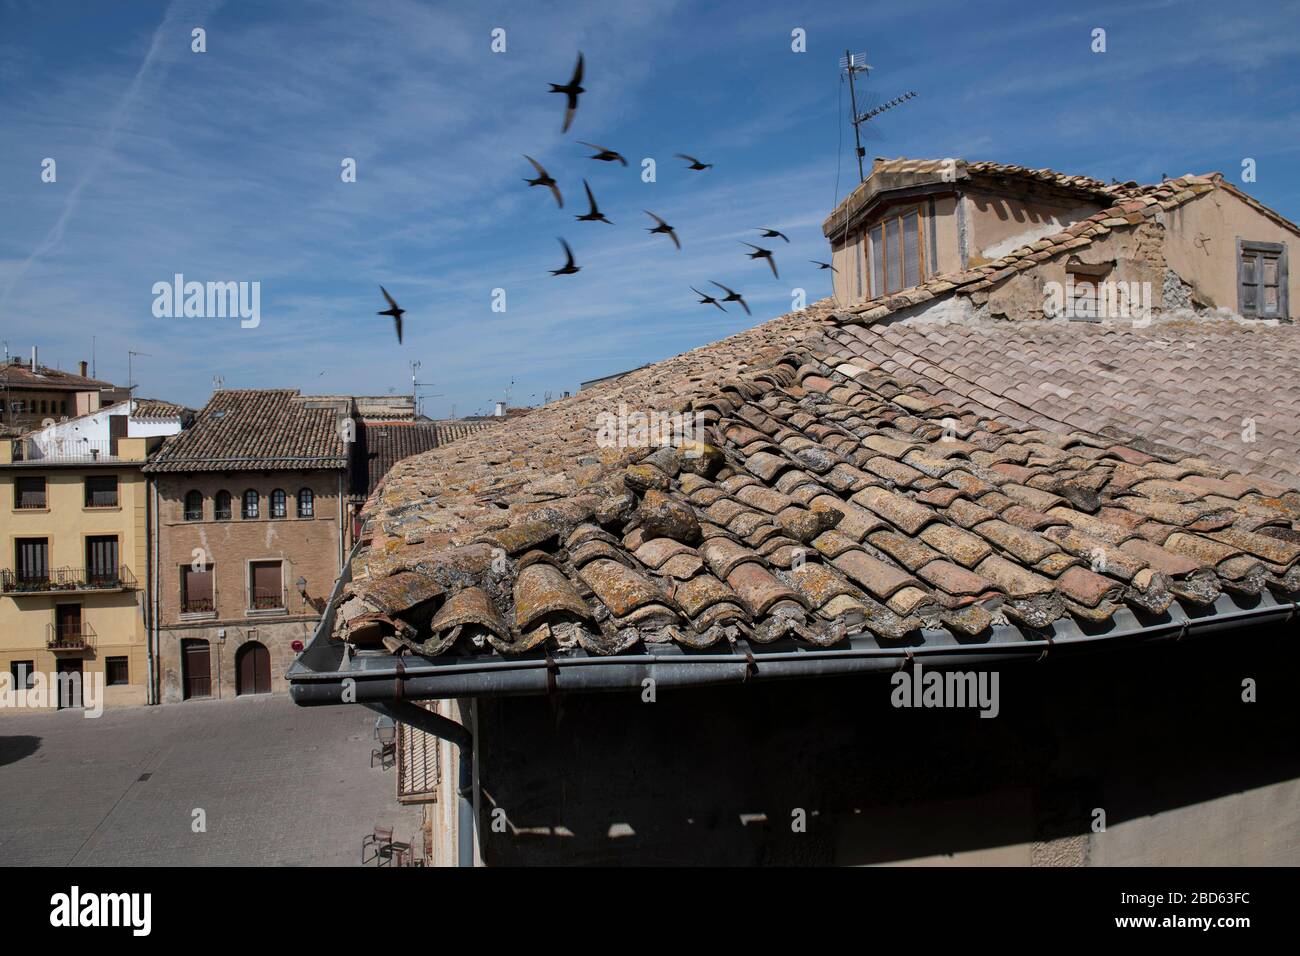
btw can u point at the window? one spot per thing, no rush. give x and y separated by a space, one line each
306 503
221 506
196 590
101 491
32 560
116 671
193 506
250 504
278 506
29 493
101 561
897 253
23 673
1262 279
264 586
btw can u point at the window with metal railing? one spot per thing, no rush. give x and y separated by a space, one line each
101 491
29 493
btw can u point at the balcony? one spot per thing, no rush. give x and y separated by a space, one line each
69 637
198 606
266 600
65 580
65 450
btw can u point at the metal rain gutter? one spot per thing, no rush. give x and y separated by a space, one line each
365 676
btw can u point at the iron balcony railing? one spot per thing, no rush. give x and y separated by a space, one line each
266 600
24 581
64 449
69 637
198 606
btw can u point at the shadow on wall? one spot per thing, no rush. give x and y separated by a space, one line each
14 749
717 775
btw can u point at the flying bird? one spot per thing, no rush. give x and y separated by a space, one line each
732 296
568 268
692 162
664 228
707 299
605 154
823 265
595 215
395 311
544 179
571 90
761 253
773 234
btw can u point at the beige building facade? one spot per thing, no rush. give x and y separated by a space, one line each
72 598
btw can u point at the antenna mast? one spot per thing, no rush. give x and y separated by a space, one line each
854 63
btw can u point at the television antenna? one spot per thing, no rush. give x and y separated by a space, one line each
130 379
853 64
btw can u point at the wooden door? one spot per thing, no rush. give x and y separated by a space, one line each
196 669
68 684
67 623
253 669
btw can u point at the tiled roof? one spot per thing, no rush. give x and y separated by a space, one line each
1195 385
380 445
262 429
16 374
157 408
892 174
450 431
1144 203
832 498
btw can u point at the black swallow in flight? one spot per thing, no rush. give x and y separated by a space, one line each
732 296
707 299
544 179
604 153
692 162
773 234
823 265
595 215
395 311
760 253
571 90
568 268
664 228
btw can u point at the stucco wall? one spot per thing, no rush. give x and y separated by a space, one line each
1157 738
1202 245
115 617
1000 223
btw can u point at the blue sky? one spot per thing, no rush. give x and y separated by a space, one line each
226 166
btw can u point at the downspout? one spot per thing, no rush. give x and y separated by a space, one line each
151 638
447 729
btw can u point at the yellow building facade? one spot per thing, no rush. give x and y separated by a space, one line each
73 571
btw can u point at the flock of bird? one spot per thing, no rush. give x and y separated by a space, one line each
571 91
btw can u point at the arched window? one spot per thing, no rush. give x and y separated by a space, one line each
278 509
221 506
193 505
306 503
250 504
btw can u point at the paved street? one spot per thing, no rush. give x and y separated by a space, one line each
280 785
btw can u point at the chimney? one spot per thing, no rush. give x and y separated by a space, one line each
33 358
501 410
82 366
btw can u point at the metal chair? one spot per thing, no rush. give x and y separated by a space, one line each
379 842
386 734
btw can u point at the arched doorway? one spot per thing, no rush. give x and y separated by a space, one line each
196 669
253 669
